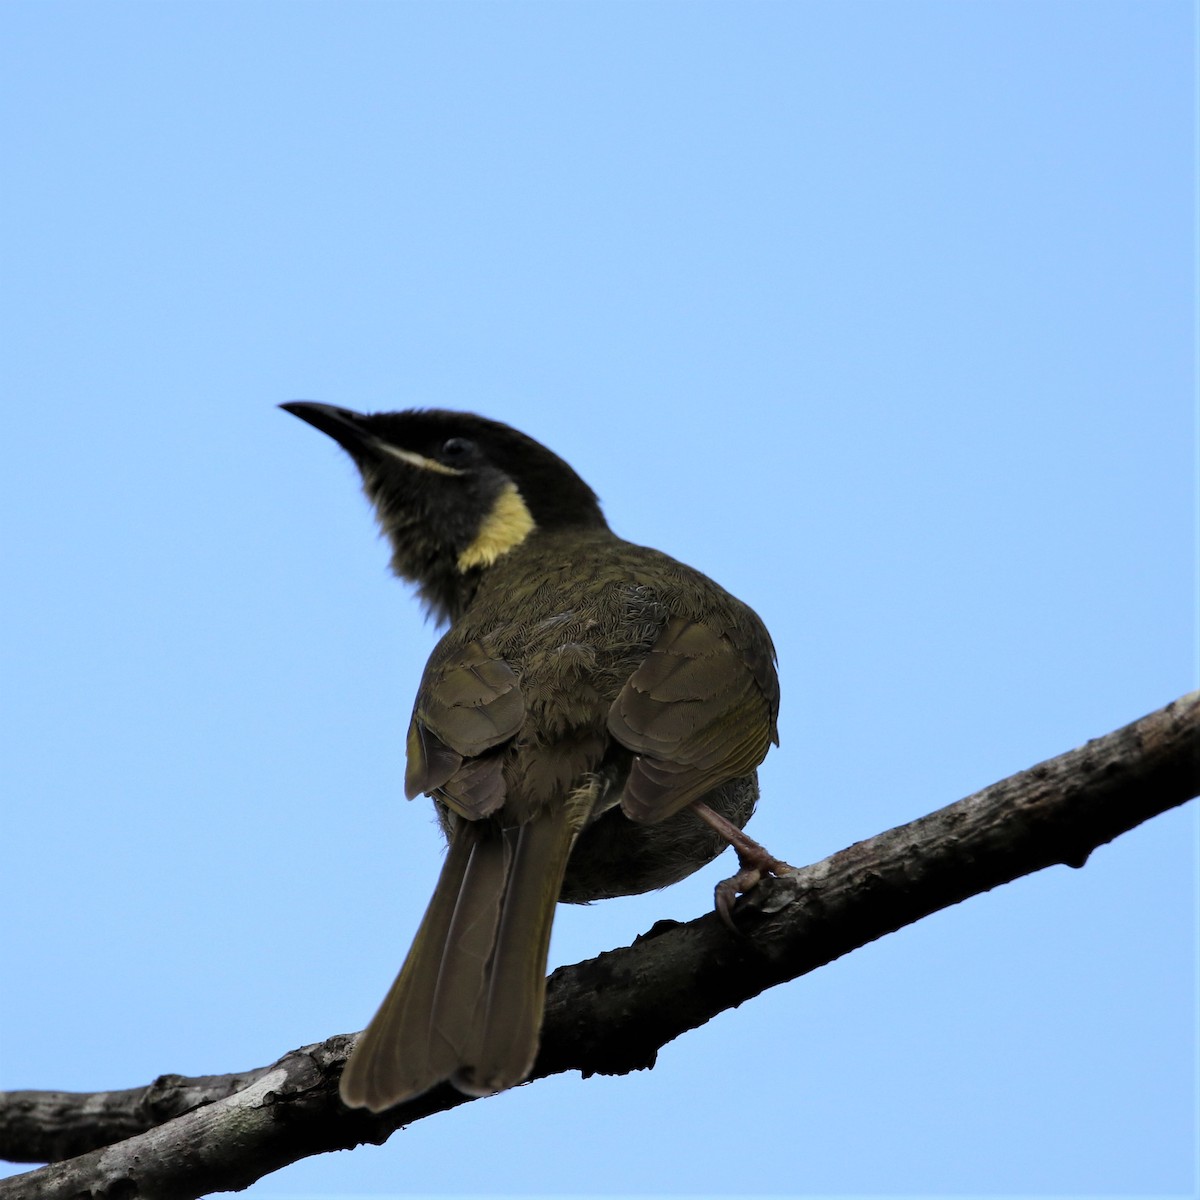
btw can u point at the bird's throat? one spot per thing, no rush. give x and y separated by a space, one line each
504 528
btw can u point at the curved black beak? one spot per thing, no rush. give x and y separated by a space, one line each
345 426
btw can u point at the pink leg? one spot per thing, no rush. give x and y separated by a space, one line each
754 861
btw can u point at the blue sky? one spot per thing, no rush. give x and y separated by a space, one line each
879 313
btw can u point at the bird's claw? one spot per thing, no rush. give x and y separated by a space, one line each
753 869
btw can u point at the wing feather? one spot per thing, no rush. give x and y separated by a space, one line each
469 703
699 710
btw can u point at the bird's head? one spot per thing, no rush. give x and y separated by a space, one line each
454 492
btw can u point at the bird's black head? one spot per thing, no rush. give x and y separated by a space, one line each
454 492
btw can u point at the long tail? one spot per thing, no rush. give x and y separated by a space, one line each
467 1004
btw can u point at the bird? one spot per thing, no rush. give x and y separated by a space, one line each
589 725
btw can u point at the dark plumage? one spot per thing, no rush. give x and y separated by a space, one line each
586 696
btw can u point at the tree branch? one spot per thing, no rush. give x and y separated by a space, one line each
184 1138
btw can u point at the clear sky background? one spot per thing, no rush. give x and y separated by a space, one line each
879 313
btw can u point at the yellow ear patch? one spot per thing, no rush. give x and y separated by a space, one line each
504 528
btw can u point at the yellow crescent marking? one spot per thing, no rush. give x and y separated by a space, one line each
504 528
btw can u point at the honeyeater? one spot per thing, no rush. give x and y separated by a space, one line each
589 726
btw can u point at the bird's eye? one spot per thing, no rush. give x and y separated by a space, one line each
456 449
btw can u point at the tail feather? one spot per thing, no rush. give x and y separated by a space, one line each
467 1004
396 1056
509 1034
460 1000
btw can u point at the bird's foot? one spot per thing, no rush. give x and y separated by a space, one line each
755 863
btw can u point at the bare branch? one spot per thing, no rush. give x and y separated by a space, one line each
186 1138
51 1126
